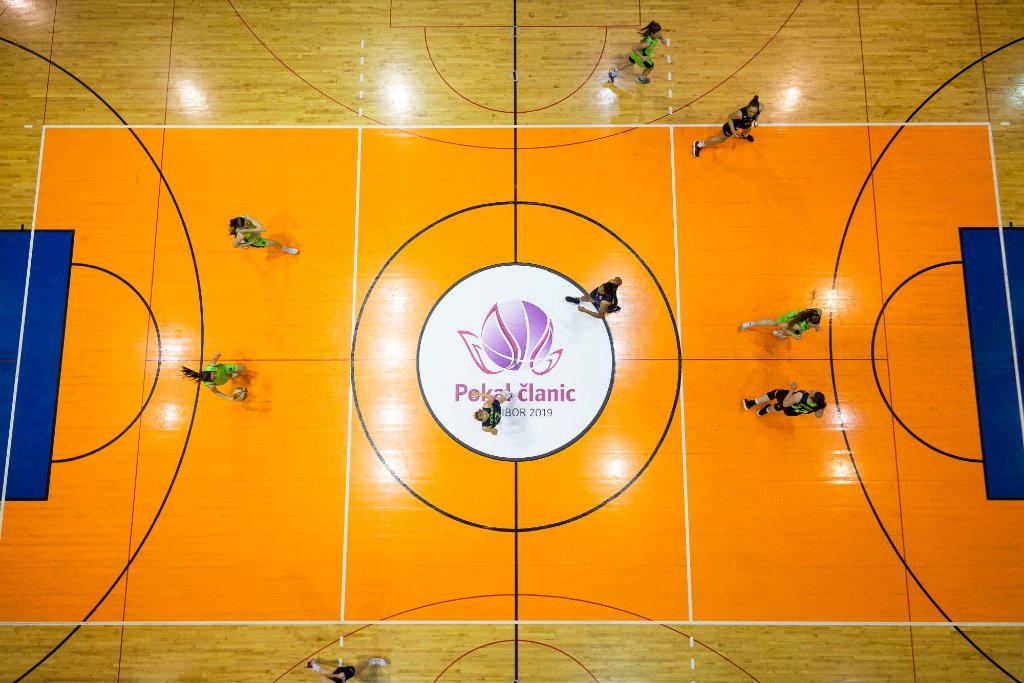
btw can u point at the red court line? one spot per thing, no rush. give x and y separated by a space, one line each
568 144
597 63
517 641
526 595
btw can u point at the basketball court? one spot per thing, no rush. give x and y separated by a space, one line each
630 521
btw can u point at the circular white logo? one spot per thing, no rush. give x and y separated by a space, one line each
507 330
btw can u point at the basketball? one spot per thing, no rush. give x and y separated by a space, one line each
240 394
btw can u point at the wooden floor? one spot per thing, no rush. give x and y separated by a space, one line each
403 145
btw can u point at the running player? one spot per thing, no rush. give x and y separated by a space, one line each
249 233
641 54
790 324
342 673
738 124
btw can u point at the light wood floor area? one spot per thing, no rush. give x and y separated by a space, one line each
746 551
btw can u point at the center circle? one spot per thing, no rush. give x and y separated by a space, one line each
507 329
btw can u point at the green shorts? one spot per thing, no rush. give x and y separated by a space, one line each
258 242
641 60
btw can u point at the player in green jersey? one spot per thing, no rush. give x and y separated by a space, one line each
249 233
641 54
215 374
790 324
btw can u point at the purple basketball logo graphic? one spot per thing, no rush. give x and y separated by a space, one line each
513 333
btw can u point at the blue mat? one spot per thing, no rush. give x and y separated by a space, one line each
35 409
994 374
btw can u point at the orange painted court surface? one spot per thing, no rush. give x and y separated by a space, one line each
280 509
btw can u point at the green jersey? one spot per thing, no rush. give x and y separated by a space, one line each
787 317
222 372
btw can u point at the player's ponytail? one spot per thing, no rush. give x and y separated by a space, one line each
189 373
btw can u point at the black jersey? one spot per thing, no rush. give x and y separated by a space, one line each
493 415
802 406
745 121
611 295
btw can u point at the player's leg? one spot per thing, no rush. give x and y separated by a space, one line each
757 323
648 68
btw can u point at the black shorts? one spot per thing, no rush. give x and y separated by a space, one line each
779 395
595 299
348 671
739 131
648 63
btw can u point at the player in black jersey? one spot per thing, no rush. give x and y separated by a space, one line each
738 124
790 401
605 299
328 674
490 414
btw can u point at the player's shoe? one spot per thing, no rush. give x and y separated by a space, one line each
748 404
748 137
573 300
643 79
764 411
291 250
696 149
744 327
612 74
379 661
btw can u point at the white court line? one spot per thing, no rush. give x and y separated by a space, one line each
351 386
17 376
682 401
1006 282
359 129
634 623
21 335
521 126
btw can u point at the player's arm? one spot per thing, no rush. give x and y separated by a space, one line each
254 225
599 313
488 399
491 430
790 331
819 412
728 121
219 392
791 396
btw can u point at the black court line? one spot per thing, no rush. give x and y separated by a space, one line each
832 367
515 258
202 338
874 368
159 363
383 461
638 617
